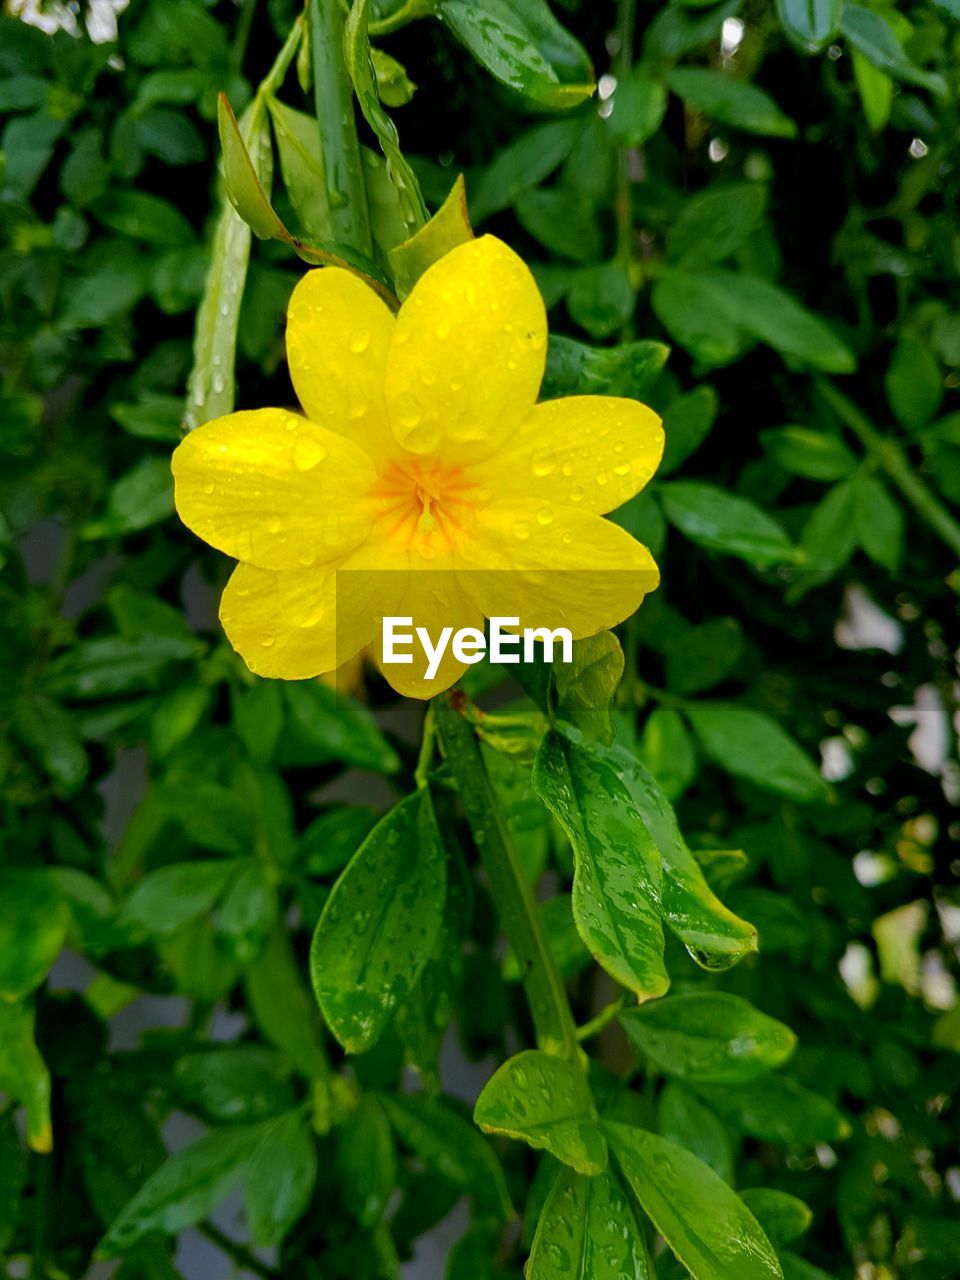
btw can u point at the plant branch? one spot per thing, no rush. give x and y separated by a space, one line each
519 914
240 1254
336 120
892 459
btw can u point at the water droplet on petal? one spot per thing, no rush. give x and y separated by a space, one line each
359 341
308 453
544 462
521 530
545 515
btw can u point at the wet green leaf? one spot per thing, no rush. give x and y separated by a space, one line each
629 369
706 1225
449 227
617 874
380 924
546 1102
709 1036
523 46
587 686
301 163
810 24
588 1231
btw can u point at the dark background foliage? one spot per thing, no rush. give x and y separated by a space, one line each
798 252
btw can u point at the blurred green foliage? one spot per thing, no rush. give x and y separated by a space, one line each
753 225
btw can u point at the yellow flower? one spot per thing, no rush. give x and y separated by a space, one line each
424 480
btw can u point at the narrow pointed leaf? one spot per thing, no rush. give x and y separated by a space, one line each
588 1230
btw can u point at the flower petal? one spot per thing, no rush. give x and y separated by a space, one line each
273 489
434 599
589 452
338 335
252 615
563 568
468 353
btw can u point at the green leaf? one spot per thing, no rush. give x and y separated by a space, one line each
602 299
687 420
333 838
356 53
27 144
879 523
380 924
323 725
732 102
228 1084
617 874
706 1225
394 86
629 369
52 736
639 105
876 91
722 521
781 1111
715 222
33 927
873 36
283 1009
449 227
751 745
810 24
685 1120
814 455
247 913
139 499
23 1072
545 1102
562 220
186 1187
280 1178
451 1146
715 312
568 952
167 899
301 163
709 1036
829 537
666 748
782 1216
523 46
587 686
523 164
913 382
588 1231
144 217
366 1162
704 656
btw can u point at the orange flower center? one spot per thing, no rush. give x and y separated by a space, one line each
425 506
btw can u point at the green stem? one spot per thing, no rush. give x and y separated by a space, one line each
409 12
421 774
346 191
892 459
245 1258
603 1019
626 27
519 914
238 52
281 63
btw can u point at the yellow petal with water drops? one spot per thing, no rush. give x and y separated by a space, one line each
468 353
434 599
589 452
554 566
273 489
253 616
338 335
